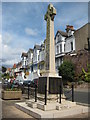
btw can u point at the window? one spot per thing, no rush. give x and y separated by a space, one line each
60 48
89 43
38 57
57 49
71 46
64 47
25 63
57 62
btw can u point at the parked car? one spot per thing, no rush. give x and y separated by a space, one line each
34 82
19 80
27 82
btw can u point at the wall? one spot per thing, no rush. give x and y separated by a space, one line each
36 56
80 60
68 44
81 36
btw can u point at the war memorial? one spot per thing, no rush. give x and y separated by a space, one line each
49 84
49 77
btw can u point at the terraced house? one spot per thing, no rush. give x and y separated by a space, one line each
69 42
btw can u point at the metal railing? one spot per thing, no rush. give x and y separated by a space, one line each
70 93
35 93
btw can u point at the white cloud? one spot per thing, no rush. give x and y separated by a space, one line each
13 45
31 32
7 38
9 62
74 14
11 55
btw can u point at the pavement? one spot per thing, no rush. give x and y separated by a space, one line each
10 111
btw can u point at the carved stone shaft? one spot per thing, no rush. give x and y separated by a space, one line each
50 47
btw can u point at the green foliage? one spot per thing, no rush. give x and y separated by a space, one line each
4 69
66 70
87 74
14 89
5 75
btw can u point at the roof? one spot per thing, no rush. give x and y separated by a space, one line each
9 69
14 66
62 33
70 29
31 50
19 64
38 47
24 54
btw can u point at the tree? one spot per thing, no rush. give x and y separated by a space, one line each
5 75
4 69
66 70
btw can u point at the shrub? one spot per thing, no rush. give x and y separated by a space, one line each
66 70
87 74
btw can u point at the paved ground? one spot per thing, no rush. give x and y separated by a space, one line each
10 111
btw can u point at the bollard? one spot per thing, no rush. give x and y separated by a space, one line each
28 91
60 94
45 94
72 93
35 93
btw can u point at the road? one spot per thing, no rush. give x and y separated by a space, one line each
81 95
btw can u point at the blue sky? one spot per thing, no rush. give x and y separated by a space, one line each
23 24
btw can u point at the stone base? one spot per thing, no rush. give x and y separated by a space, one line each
52 105
52 97
52 110
53 85
31 103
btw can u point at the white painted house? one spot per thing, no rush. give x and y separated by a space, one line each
70 40
59 47
64 43
35 71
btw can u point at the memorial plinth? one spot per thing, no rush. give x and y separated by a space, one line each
53 108
49 77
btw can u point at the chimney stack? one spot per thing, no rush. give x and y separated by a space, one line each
69 27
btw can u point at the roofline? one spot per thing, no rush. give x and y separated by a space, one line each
57 33
82 26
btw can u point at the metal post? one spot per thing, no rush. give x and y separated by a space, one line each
72 93
35 93
60 94
28 91
45 94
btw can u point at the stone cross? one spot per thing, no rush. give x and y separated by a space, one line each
50 46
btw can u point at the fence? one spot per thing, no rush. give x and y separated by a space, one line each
34 93
69 93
